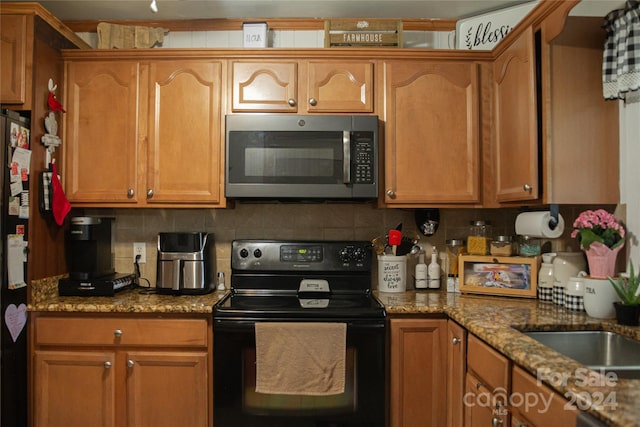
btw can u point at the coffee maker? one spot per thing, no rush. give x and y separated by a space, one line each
186 263
89 247
91 261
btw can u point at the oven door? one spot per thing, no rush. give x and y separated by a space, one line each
237 404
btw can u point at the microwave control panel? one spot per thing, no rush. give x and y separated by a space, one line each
363 157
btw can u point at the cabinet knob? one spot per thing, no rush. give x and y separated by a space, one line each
292 102
130 193
149 193
107 365
117 333
130 363
527 187
455 341
391 193
495 422
313 101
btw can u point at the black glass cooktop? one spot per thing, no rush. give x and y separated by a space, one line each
303 305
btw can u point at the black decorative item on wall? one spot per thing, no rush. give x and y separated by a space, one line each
427 220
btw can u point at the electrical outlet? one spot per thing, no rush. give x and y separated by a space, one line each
140 248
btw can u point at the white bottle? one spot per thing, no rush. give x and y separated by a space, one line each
434 271
421 272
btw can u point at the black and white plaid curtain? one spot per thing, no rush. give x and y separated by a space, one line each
621 60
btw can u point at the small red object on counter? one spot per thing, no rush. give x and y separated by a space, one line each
395 238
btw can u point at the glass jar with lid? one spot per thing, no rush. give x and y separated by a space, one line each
529 246
455 248
478 239
501 246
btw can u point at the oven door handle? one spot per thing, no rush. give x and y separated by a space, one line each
346 157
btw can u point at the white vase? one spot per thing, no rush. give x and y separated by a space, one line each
599 296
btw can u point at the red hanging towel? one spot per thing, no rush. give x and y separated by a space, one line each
61 205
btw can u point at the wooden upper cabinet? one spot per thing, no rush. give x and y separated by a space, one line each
101 148
313 86
264 86
13 56
184 152
432 153
339 86
516 167
144 134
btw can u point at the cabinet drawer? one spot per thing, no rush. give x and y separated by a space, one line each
525 384
489 366
109 331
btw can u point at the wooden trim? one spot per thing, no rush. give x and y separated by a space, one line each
309 24
276 53
29 8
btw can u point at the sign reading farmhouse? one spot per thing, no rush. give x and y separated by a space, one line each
363 33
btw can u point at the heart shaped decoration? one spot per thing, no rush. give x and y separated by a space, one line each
15 318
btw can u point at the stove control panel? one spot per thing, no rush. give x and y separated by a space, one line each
279 255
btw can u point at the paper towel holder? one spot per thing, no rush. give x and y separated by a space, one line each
554 210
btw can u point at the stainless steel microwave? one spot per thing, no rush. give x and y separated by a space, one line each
281 156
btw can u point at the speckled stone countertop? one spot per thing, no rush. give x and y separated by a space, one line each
493 319
44 298
497 321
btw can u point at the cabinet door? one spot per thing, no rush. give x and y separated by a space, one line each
74 389
184 153
418 380
431 132
339 86
264 86
482 407
101 147
456 368
167 389
516 142
13 56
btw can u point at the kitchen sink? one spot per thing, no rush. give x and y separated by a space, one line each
598 350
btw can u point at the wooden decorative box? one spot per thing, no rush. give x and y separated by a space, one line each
510 276
363 33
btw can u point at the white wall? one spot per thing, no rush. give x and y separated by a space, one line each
283 39
630 176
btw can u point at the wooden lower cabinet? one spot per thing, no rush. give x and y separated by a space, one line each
536 405
456 368
129 371
417 377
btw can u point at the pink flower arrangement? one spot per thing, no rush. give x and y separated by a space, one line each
598 226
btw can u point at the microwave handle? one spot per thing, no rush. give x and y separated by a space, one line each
346 157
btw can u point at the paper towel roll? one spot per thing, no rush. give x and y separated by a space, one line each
536 224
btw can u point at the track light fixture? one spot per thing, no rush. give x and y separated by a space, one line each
154 6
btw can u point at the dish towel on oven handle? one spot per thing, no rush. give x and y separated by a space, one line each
302 358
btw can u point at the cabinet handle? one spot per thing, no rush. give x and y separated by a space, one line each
455 341
117 333
130 363
527 187
313 101
107 365
292 102
130 193
495 422
391 193
149 193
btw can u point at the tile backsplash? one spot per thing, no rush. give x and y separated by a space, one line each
325 221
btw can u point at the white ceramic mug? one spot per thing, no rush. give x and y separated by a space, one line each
599 296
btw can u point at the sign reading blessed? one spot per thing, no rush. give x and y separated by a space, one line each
363 33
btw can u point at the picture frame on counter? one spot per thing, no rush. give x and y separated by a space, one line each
502 276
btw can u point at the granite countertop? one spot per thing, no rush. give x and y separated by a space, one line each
495 319
44 298
490 318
